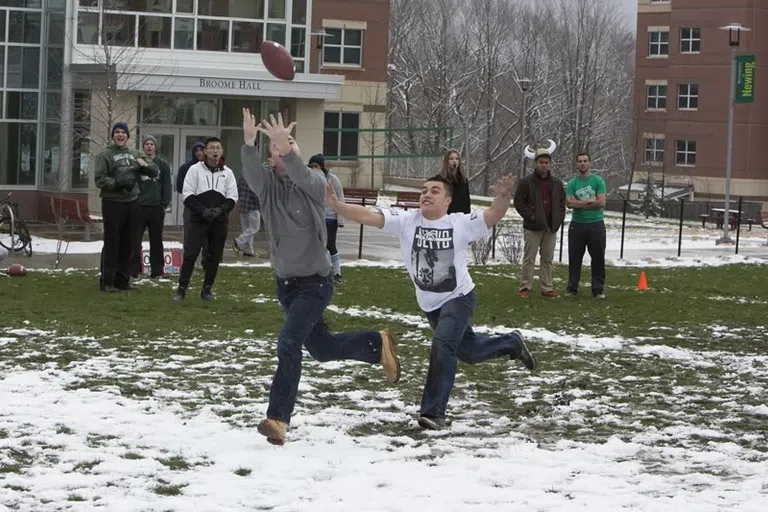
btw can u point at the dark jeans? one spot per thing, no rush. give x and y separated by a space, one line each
196 234
332 227
304 300
589 236
454 338
119 246
151 218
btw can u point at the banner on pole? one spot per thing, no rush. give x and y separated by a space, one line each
745 79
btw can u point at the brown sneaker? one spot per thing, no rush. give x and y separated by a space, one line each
389 359
551 294
274 430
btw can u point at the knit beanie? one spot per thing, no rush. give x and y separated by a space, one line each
148 138
120 126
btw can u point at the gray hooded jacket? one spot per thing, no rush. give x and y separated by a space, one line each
293 207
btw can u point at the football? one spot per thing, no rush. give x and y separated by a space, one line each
16 270
278 60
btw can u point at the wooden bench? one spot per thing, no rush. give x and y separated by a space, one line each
407 200
66 209
364 197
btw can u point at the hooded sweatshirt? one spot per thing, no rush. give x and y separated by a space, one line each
156 191
117 173
185 167
293 207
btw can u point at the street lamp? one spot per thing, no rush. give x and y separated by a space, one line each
734 39
525 85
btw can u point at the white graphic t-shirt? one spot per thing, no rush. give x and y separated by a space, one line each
435 252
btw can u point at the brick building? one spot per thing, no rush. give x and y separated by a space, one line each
682 96
180 70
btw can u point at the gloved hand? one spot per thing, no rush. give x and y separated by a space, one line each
125 180
209 214
216 212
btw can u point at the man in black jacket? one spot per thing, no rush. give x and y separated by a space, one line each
210 193
154 198
540 201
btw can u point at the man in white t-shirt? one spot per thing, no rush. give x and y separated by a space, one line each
435 249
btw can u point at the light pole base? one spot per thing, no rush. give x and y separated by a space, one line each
725 240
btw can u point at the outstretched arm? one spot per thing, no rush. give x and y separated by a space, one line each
353 212
502 196
256 175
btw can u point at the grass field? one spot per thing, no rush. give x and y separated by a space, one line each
663 385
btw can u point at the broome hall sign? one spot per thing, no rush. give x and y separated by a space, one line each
745 79
215 83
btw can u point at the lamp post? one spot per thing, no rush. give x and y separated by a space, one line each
525 84
734 39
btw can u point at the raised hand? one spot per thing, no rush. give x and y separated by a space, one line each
504 186
278 133
331 199
249 127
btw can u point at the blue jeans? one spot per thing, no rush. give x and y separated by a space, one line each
304 300
454 338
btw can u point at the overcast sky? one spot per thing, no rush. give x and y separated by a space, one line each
630 8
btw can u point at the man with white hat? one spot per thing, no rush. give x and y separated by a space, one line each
540 201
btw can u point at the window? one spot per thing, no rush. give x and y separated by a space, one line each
51 154
238 9
184 34
337 143
654 150
247 37
21 105
29 4
118 29
656 97
163 6
23 67
185 6
277 9
18 153
343 46
300 12
658 43
212 35
87 28
24 27
53 74
154 32
56 28
685 153
687 96
690 40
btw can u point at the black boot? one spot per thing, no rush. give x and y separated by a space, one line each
206 294
180 293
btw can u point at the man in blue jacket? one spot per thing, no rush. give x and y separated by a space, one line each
292 199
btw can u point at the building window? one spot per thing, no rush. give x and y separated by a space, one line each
18 153
23 67
247 37
184 34
118 29
687 96
658 43
685 153
656 97
212 36
654 150
690 40
240 9
337 143
154 32
24 27
343 47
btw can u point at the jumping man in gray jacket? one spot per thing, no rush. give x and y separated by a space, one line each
292 201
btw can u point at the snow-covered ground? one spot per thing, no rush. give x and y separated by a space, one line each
190 443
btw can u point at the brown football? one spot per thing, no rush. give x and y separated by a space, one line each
16 270
278 60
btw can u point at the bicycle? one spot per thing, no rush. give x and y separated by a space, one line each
14 234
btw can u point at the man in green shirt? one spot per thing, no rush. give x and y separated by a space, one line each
585 194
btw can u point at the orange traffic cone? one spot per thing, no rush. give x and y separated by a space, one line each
642 283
